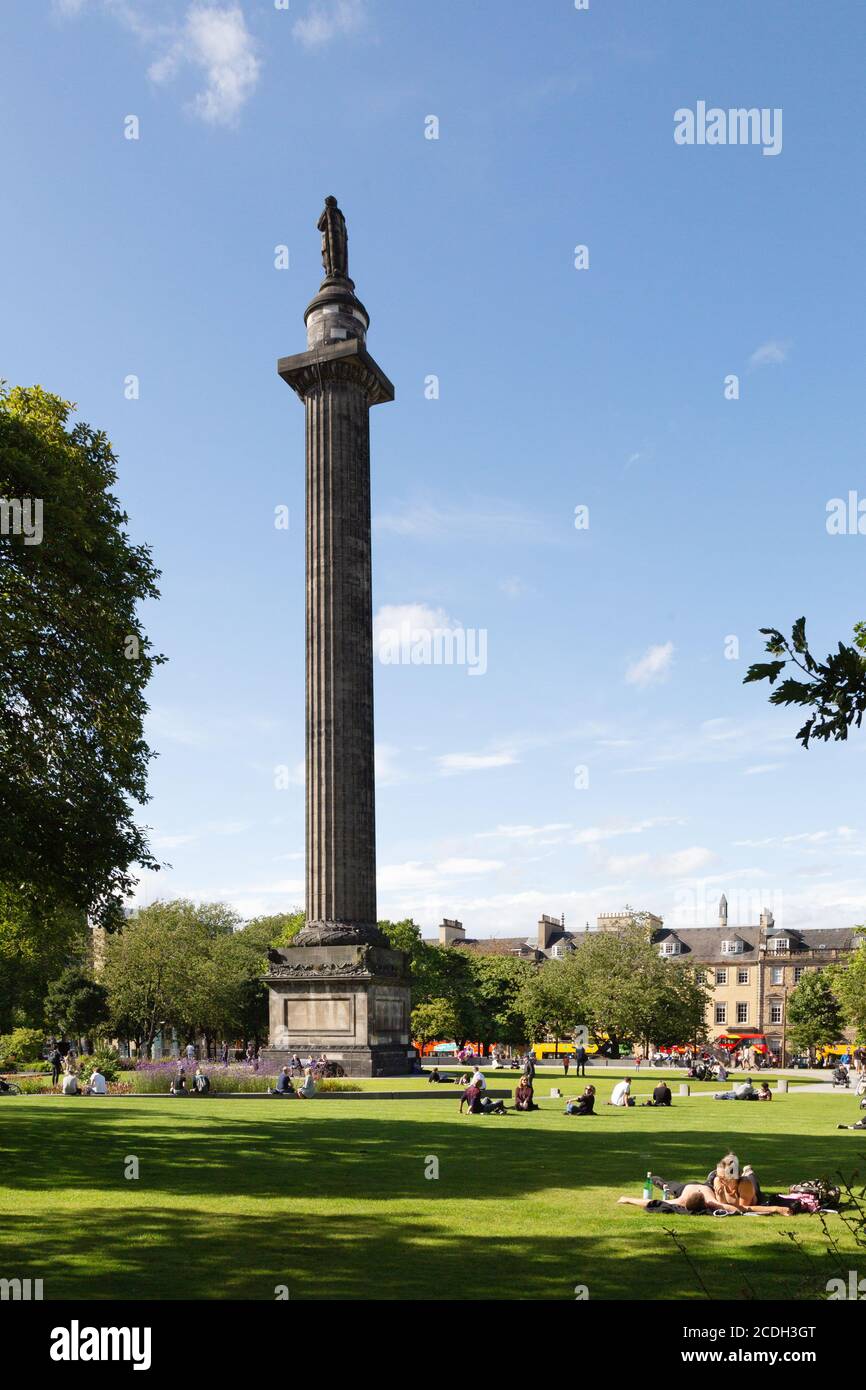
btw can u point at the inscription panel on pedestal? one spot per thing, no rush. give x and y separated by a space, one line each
324 1014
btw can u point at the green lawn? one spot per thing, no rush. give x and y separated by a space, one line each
330 1198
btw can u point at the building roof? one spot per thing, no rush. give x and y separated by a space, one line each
705 943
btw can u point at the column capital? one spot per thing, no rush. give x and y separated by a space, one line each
350 360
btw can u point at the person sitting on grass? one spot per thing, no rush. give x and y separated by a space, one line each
69 1085
583 1104
97 1085
307 1088
434 1079
523 1095
621 1093
764 1092
200 1082
284 1085
178 1086
661 1094
471 1097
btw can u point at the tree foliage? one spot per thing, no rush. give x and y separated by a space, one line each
834 690
849 985
74 664
814 1015
76 1005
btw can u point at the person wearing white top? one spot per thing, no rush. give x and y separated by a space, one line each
621 1092
478 1080
97 1086
70 1084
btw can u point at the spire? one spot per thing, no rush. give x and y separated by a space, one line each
723 911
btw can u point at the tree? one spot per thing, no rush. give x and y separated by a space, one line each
834 689
76 1005
628 991
814 1015
281 928
498 984
438 1019
75 662
37 940
158 970
550 1000
849 985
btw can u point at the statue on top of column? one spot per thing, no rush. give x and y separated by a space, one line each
335 240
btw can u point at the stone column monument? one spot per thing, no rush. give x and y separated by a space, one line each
340 989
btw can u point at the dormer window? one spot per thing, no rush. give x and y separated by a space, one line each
781 943
732 947
670 948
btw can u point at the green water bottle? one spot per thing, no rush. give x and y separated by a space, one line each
648 1187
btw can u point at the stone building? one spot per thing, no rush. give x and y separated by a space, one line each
750 969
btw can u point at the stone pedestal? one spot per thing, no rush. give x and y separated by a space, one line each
350 1002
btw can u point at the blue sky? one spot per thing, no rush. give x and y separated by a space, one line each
558 388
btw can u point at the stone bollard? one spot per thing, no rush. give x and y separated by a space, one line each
684 1089
782 1085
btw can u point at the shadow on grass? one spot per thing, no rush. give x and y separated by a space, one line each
227 1204
183 1253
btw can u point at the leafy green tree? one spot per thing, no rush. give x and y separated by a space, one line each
848 982
38 939
75 662
158 970
551 1000
628 991
834 690
498 983
76 1005
814 1013
438 1019
281 927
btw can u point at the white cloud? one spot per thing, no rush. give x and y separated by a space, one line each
769 354
327 20
522 832
469 866
760 768
654 666
414 620
216 41
474 762
388 769
594 834
682 862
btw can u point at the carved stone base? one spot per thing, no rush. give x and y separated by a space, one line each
349 1001
341 934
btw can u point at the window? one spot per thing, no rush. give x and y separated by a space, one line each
781 943
731 948
721 1013
742 1013
721 979
775 1012
743 977
778 975
799 972
670 948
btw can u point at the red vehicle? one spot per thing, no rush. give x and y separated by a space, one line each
736 1038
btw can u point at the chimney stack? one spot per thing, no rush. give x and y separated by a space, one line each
451 931
548 927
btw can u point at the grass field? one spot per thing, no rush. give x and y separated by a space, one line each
330 1198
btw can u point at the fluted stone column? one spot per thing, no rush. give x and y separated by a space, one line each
338 382
339 988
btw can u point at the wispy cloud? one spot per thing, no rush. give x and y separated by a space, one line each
487 521
769 354
215 42
327 20
653 667
474 762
